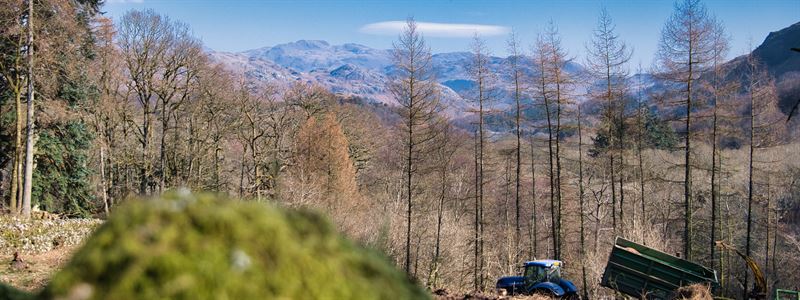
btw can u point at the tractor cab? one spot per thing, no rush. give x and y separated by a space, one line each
543 271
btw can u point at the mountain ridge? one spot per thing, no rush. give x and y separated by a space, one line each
352 69
357 70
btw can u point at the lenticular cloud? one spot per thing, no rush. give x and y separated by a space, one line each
435 29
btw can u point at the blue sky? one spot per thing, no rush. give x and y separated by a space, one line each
238 25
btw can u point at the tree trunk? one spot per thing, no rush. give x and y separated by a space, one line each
103 185
256 168
217 149
687 183
714 190
639 149
613 196
480 177
534 208
162 158
751 148
15 195
559 104
145 142
621 166
621 178
519 165
241 171
552 178
439 214
409 173
766 234
29 145
581 198
477 219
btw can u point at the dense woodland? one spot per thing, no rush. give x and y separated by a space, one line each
137 108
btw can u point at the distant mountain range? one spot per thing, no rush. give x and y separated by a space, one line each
361 71
358 70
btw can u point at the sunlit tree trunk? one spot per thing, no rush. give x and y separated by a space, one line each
29 134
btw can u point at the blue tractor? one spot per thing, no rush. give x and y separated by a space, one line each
541 277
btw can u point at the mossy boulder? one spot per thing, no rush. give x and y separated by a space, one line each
189 247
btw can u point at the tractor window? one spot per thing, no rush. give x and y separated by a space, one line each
535 273
554 274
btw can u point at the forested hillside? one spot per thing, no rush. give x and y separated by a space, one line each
458 166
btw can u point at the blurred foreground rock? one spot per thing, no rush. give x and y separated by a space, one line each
188 247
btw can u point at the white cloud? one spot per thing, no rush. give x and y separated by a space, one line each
124 1
435 29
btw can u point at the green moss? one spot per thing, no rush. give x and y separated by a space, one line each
10 293
189 248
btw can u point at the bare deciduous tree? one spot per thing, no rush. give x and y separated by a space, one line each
417 93
13 72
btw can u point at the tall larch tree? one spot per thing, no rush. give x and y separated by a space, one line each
482 76
322 158
560 83
685 51
607 62
415 89
719 92
514 60
762 132
544 96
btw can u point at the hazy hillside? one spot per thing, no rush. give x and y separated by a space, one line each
781 63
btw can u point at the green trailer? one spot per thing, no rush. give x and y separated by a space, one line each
642 272
781 294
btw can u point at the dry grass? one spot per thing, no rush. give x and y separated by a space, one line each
36 270
694 292
443 294
43 245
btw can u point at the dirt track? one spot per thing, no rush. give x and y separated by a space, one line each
442 294
36 269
